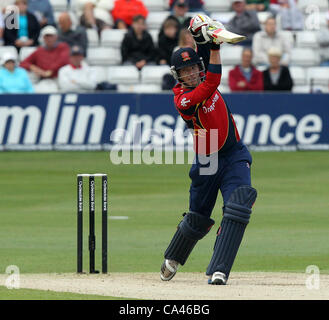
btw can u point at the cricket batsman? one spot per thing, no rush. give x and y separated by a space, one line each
201 105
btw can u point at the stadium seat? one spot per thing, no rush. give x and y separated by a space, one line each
263 15
224 89
231 55
140 88
92 35
155 35
225 72
155 5
123 74
112 37
154 20
304 57
301 89
321 4
298 75
59 5
25 52
103 56
318 76
101 72
223 17
306 39
288 35
154 74
217 5
10 49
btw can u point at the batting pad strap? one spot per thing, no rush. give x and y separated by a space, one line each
237 216
195 226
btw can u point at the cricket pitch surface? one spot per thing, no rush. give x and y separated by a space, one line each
184 286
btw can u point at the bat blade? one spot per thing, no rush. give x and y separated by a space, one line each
222 35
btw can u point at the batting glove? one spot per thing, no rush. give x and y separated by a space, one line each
199 25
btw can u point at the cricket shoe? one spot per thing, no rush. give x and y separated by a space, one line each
217 278
168 269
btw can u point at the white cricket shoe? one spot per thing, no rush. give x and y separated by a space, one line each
217 278
168 269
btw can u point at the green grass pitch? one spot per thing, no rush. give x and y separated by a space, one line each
288 229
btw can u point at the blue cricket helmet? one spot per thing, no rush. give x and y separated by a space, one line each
185 57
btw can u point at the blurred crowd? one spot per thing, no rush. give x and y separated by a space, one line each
58 60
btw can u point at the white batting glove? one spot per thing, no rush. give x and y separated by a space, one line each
199 25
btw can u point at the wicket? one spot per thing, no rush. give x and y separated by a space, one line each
92 236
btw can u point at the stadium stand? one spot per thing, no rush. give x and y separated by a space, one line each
104 50
123 75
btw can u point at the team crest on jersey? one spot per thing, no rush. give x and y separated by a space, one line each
185 56
184 102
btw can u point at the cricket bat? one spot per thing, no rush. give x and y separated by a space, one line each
223 35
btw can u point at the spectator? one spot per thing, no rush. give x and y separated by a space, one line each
244 22
77 75
72 37
137 47
27 34
264 40
185 39
125 10
95 13
180 8
194 5
45 62
43 11
2 27
257 5
168 40
245 77
13 79
276 77
323 39
291 17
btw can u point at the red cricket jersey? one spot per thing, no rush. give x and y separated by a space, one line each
203 108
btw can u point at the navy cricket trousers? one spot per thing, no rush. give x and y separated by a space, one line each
233 171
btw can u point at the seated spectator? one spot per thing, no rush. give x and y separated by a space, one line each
13 79
291 17
264 40
194 5
125 10
168 40
180 8
27 34
77 75
245 77
95 14
137 47
45 62
185 39
323 39
244 22
43 11
72 37
257 5
2 27
276 77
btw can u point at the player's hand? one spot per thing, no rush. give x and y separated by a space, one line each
198 27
